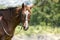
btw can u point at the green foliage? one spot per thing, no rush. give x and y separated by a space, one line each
38 30
46 11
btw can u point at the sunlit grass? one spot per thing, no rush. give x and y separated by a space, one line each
38 30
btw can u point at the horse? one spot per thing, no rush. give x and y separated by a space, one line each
10 18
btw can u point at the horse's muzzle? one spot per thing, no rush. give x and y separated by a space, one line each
25 28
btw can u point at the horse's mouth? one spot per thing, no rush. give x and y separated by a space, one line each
25 28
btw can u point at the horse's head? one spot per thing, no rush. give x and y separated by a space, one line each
26 12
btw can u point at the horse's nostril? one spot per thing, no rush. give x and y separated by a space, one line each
25 28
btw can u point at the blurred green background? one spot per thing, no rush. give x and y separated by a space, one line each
46 12
45 18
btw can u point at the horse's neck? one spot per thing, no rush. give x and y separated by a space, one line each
14 20
10 18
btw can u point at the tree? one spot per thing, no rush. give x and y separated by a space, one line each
46 11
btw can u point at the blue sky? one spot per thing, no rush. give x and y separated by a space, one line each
12 2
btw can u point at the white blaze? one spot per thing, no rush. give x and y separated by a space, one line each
0 18
26 21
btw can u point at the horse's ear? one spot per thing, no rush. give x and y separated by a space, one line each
23 5
31 6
